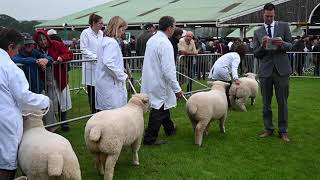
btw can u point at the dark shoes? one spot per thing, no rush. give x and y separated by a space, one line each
160 141
266 134
157 142
284 137
174 131
65 128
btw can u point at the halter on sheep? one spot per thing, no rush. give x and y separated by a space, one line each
45 111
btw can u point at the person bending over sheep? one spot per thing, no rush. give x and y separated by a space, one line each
227 65
239 94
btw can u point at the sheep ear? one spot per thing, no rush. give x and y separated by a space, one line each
226 84
210 83
145 100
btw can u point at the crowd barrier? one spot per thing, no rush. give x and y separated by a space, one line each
191 70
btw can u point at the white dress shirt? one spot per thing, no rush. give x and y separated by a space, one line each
226 66
159 79
111 89
89 41
14 97
272 28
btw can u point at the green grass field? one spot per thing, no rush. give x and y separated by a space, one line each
238 154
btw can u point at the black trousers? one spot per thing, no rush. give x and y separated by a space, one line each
7 174
227 92
317 68
157 118
92 98
190 69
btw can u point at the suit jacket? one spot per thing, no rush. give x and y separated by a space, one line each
273 58
142 42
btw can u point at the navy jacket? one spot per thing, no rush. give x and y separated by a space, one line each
31 68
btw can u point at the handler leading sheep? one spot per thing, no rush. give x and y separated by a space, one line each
159 81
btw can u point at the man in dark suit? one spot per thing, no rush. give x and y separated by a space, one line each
274 69
143 38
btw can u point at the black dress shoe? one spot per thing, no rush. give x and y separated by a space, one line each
158 142
65 128
174 131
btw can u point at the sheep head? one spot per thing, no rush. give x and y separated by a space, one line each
218 85
32 119
141 100
250 75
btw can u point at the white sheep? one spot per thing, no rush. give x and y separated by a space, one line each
44 155
202 107
107 131
239 94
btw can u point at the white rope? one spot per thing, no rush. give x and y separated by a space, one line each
38 115
134 90
184 97
191 79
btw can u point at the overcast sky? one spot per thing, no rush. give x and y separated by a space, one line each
44 9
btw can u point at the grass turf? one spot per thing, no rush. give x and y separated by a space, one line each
238 154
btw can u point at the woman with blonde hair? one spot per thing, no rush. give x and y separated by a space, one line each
111 89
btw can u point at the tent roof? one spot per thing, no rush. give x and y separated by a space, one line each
137 12
295 31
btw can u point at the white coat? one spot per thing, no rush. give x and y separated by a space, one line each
159 80
89 42
15 97
226 66
111 89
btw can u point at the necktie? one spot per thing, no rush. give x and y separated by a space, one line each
269 31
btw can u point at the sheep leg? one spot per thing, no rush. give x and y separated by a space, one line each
207 129
102 159
135 149
241 103
97 161
199 132
253 100
232 100
221 123
194 124
111 161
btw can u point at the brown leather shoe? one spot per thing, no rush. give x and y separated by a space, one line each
284 137
266 134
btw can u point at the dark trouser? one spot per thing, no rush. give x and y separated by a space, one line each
92 98
301 61
156 119
7 174
317 68
190 69
63 117
227 92
281 85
